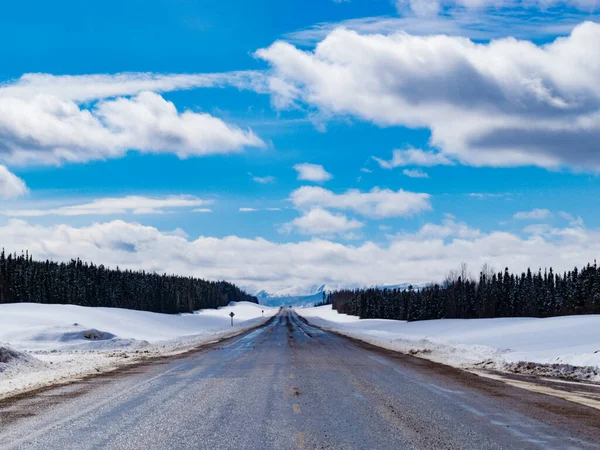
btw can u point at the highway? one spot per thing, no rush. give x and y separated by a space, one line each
289 385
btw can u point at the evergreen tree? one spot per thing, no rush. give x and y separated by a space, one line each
78 283
494 295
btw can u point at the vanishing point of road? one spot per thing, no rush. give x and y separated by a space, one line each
289 385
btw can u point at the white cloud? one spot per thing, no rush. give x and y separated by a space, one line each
264 180
259 263
449 228
415 173
312 172
132 204
377 203
47 119
573 221
419 7
202 210
11 186
321 221
423 8
486 195
538 229
244 209
365 170
456 22
85 88
503 103
535 214
413 157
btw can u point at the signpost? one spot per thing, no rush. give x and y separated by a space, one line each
231 314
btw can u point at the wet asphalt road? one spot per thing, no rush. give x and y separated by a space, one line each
289 385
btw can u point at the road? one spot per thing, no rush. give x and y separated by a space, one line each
289 385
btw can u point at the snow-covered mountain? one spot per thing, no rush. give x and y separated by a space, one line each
308 296
293 296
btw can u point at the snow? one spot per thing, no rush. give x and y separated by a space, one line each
43 344
499 344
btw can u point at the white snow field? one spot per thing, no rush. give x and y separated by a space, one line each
45 344
559 346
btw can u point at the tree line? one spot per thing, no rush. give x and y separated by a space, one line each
502 294
80 283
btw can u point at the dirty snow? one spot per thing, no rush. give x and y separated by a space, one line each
45 344
564 346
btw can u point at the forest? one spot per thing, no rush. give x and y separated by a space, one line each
501 294
80 283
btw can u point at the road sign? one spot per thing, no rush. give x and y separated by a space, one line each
231 314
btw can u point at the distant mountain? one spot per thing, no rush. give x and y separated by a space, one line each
293 296
308 296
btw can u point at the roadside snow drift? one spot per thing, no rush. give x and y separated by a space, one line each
42 344
12 361
564 346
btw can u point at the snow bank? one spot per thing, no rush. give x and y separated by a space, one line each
13 362
47 343
34 326
503 343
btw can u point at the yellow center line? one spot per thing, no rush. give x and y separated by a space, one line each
299 439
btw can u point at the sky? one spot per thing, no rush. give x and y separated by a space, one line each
285 145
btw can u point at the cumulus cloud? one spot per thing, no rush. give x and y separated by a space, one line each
377 203
133 204
413 157
53 119
259 263
535 214
538 228
321 221
415 173
503 103
11 186
312 172
449 228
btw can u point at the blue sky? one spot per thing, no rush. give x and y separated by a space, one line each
118 120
